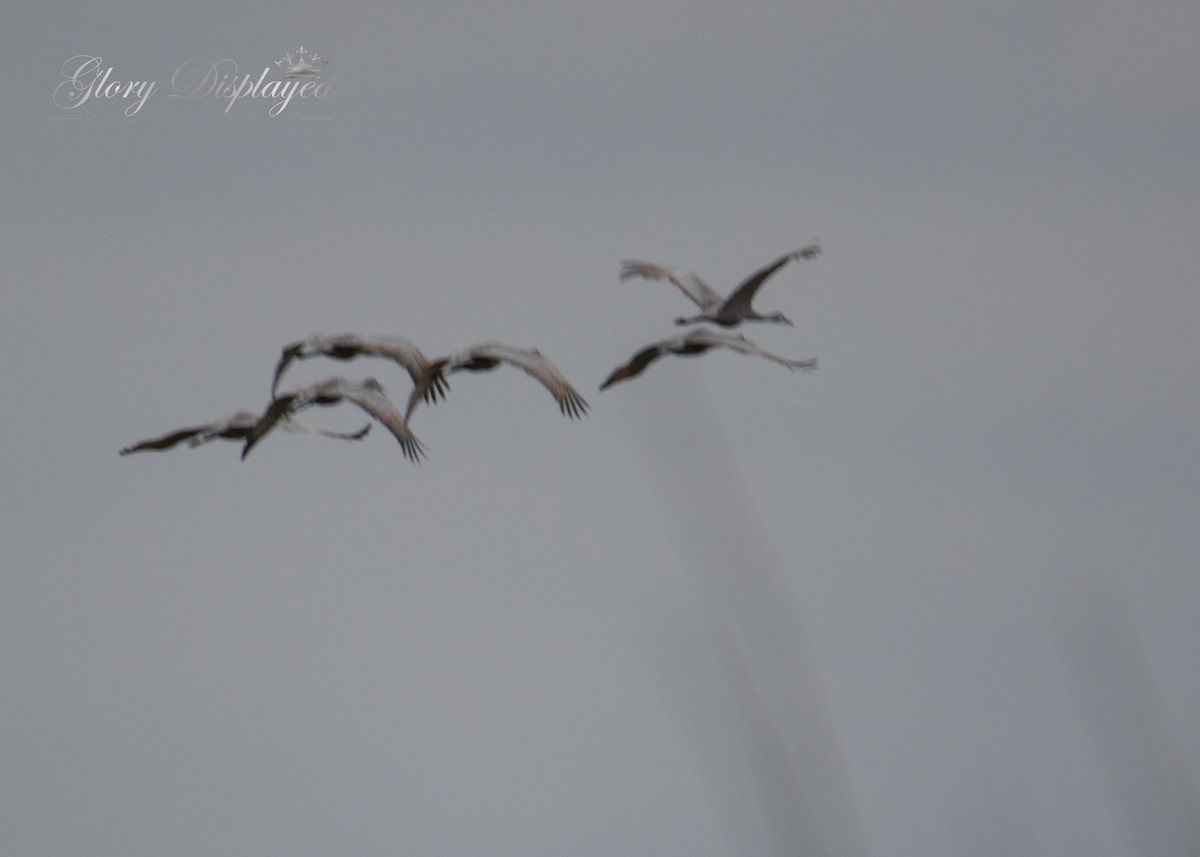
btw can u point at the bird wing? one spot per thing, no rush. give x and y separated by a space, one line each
280 405
298 349
347 346
407 354
697 342
434 374
288 424
690 284
638 363
745 346
739 299
381 408
166 441
530 360
234 427
403 351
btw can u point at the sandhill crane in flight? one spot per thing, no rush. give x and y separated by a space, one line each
489 355
347 346
368 395
235 427
725 311
697 342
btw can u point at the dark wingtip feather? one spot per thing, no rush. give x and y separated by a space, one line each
437 389
413 450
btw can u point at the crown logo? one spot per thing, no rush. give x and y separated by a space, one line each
302 64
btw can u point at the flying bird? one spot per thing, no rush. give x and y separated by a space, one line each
235 427
489 355
726 311
368 395
347 346
697 342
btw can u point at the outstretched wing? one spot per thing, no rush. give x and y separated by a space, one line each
530 360
347 346
637 363
291 351
407 354
368 396
698 341
435 374
288 424
280 407
691 285
235 427
232 427
745 346
375 403
740 298
166 441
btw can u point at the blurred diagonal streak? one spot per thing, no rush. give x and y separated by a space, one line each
1155 797
734 669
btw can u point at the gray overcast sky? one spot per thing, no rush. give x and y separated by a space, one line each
940 597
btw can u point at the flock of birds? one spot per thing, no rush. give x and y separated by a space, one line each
429 376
